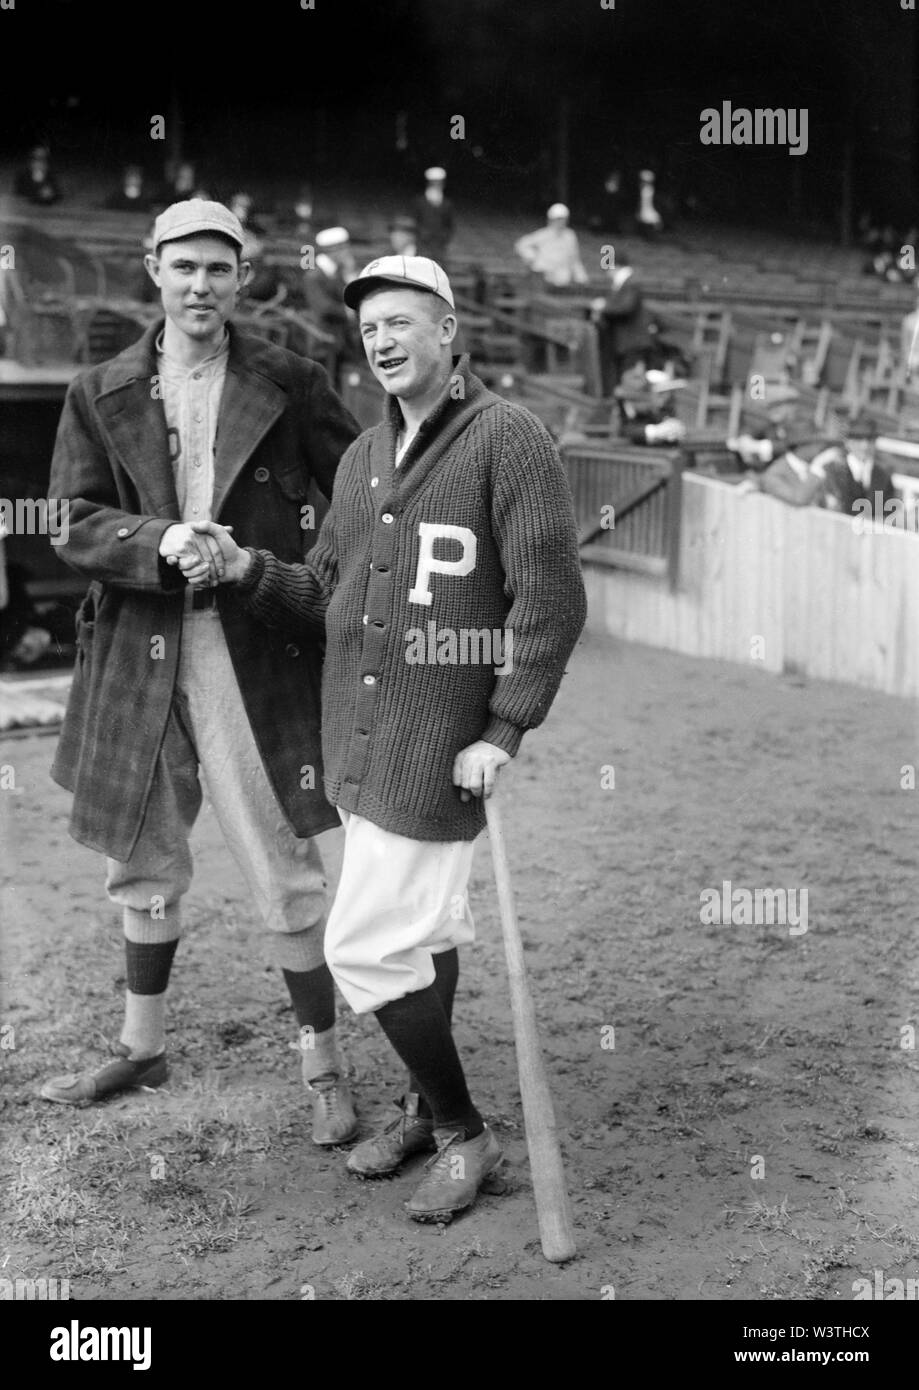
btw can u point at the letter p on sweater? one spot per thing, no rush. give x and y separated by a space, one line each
431 531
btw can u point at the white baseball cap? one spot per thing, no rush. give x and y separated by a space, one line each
407 272
195 216
332 236
558 210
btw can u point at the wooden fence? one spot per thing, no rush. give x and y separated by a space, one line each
787 588
627 506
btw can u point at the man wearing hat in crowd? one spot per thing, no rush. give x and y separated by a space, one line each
623 334
648 221
434 217
323 289
403 236
36 181
553 252
864 478
647 406
452 516
798 465
173 684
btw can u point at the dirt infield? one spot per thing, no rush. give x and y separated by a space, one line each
738 1049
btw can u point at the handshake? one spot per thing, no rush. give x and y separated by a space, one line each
205 552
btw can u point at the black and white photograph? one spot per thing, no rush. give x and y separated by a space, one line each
459 661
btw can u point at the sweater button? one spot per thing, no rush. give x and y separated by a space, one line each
370 680
374 482
386 518
291 650
261 475
122 531
364 620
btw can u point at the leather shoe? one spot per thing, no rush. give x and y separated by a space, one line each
81 1088
454 1175
408 1134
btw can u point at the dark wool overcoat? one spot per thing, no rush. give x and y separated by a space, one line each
280 429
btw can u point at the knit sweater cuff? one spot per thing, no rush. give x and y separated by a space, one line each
503 734
253 573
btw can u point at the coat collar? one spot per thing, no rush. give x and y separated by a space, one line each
138 362
463 398
130 406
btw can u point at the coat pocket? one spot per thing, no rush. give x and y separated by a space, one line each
294 485
85 620
310 504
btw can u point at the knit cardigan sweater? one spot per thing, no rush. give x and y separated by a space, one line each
427 577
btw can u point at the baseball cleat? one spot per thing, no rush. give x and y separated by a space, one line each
334 1120
409 1133
454 1175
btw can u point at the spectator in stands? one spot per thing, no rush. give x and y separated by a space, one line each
184 181
323 289
647 407
553 252
184 185
909 344
131 196
790 479
435 218
610 217
781 406
36 181
301 215
649 222
622 325
265 286
798 465
242 204
403 236
295 218
869 479
883 246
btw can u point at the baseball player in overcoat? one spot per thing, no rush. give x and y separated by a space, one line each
197 420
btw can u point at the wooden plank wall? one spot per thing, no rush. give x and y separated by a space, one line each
782 587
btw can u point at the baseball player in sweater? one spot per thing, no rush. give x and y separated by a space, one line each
446 577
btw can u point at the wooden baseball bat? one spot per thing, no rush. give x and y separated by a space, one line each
552 1206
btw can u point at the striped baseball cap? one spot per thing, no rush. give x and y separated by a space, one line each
405 272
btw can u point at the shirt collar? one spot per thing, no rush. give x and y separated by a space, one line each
860 469
208 363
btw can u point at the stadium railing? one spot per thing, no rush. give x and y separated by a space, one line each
627 505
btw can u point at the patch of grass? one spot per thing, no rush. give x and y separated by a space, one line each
86 1235
214 1224
200 1222
41 1199
356 1286
760 1216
